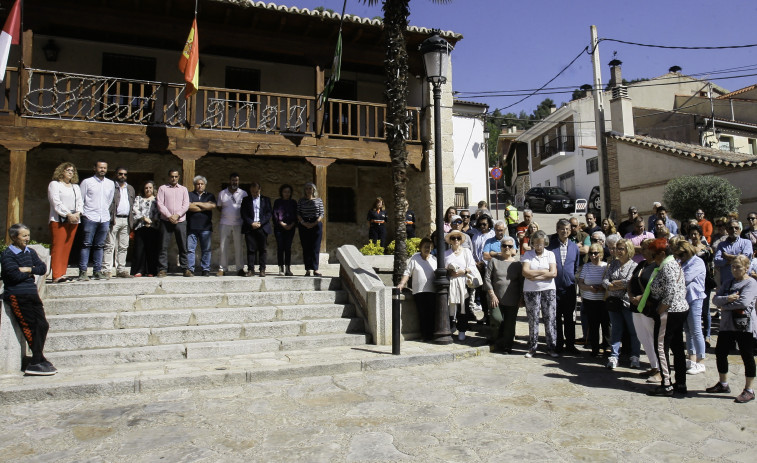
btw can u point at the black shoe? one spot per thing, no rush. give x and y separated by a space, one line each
241 273
41 369
664 391
680 389
205 273
572 350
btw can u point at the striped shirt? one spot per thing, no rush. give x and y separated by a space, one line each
310 209
592 275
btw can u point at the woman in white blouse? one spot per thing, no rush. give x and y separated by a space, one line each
66 206
144 260
421 268
459 262
539 272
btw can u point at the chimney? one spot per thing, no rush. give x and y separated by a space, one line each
552 109
621 110
513 129
616 78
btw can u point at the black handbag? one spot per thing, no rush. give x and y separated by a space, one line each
650 308
614 304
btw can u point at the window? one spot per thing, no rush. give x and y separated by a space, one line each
128 66
726 143
461 198
752 147
547 183
242 79
592 165
341 204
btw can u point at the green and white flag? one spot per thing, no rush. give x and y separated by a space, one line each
336 71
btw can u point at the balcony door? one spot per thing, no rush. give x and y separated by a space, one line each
343 119
126 100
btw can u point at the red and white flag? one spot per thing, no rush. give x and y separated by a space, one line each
9 36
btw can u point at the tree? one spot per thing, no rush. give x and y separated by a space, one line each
714 195
396 13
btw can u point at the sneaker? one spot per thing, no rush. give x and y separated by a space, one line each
47 369
83 276
98 275
530 353
219 273
719 388
655 378
162 274
106 275
635 362
664 391
689 364
612 363
695 369
461 336
744 397
553 354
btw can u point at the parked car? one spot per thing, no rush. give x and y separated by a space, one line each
595 201
549 199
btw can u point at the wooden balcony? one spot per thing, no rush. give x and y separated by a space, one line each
101 99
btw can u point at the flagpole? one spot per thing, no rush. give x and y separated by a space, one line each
341 22
21 38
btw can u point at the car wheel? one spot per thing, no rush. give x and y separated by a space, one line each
548 208
526 205
597 203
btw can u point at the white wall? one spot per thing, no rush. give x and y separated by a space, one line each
470 168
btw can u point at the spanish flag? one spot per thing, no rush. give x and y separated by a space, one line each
189 63
10 35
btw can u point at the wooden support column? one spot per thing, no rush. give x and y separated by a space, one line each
319 85
16 181
26 61
320 165
188 158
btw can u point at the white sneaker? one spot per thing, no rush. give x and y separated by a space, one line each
689 364
461 336
530 354
635 362
612 363
696 368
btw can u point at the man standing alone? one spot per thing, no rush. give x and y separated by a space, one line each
566 256
256 214
200 224
97 193
229 203
173 203
121 223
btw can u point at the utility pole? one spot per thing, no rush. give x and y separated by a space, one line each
599 126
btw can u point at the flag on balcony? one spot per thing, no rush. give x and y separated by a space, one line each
336 71
189 63
10 35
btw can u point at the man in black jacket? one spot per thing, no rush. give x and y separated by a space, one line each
121 224
256 214
19 265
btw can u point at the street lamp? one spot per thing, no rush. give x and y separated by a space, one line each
436 60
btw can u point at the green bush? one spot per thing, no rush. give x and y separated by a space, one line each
372 249
412 246
714 195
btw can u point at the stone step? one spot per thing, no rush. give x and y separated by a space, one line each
178 285
141 337
101 304
199 350
194 317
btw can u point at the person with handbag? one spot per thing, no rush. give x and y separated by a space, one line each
593 294
459 263
539 292
694 272
644 323
737 324
66 206
504 284
615 281
668 285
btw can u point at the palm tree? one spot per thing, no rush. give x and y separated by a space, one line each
396 13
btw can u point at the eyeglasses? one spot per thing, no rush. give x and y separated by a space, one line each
574 226
732 228
457 222
456 238
594 253
508 246
752 218
465 216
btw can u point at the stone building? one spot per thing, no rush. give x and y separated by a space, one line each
100 81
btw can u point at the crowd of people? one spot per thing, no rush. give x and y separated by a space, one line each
637 288
109 212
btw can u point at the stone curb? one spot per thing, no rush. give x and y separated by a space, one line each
37 389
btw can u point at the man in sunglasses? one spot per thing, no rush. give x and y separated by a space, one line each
706 225
466 228
493 246
750 232
728 249
627 225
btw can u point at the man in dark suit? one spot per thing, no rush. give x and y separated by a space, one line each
256 214
567 257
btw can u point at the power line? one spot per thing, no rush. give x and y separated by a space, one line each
725 47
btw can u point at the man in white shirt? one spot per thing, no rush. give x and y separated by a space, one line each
121 223
97 193
229 203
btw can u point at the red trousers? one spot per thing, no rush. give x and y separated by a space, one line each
63 239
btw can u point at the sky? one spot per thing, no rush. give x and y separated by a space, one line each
518 45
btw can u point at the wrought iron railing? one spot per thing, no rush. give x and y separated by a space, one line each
561 144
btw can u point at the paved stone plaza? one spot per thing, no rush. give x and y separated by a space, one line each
487 408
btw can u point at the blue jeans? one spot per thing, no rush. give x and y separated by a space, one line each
617 320
204 238
693 330
93 238
706 316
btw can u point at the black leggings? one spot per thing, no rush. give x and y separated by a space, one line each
745 342
30 314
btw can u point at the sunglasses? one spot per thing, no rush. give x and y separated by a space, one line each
594 253
508 246
456 238
465 216
732 228
457 222
752 218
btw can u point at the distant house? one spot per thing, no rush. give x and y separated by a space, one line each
470 168
513 159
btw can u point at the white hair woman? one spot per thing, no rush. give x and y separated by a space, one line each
503 281
459 262
539 272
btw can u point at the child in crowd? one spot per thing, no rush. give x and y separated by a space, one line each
19 265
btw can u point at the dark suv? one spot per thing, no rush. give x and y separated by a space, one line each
549 199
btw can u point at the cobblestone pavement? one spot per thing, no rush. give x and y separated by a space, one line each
490 408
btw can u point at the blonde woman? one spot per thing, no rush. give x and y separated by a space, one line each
310 217
593 294
617 276
66 207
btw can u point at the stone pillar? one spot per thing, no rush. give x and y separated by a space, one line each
319 178
188 158
16 181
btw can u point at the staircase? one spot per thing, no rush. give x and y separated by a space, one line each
121 321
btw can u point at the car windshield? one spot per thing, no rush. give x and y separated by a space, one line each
555 191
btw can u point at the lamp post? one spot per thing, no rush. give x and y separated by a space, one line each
436 60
